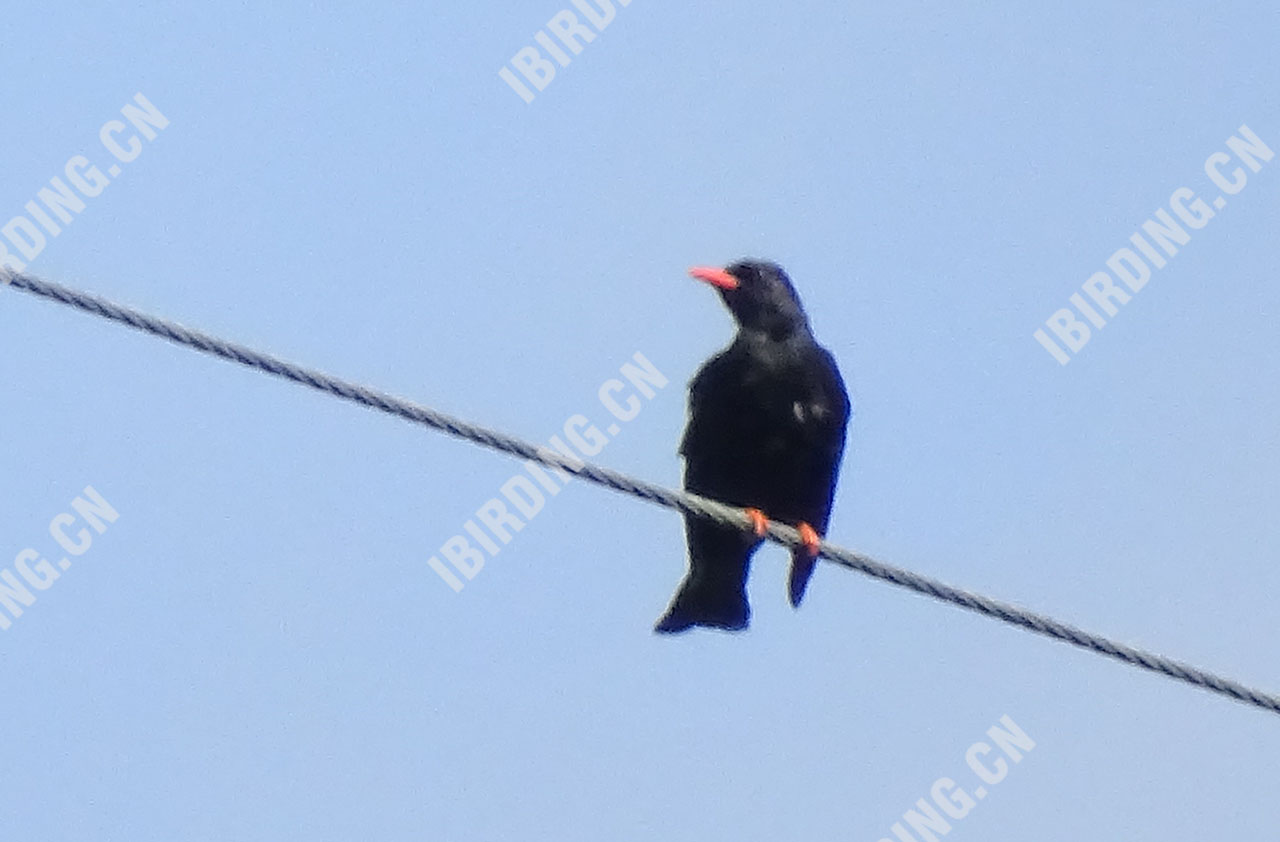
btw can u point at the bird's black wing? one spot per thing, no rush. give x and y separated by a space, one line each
822 420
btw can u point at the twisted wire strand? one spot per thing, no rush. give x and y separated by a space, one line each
690 504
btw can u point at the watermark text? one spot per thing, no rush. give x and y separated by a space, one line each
56 206
522 497
572 33
931 818
36 573
1134 268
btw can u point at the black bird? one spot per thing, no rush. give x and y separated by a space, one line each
766 430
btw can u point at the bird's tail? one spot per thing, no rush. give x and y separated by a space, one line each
712 603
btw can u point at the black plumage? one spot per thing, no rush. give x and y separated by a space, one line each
766 430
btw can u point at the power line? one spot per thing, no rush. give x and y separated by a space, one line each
680 501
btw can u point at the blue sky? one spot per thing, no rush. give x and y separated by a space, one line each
258 649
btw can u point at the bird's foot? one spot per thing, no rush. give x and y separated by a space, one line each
759 523
810 538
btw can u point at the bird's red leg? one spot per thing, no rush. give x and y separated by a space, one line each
810 538
759 522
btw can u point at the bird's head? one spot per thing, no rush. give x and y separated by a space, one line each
759 294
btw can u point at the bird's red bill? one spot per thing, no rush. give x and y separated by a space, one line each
715 277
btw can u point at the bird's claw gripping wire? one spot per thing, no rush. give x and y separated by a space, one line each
759 523
810 538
